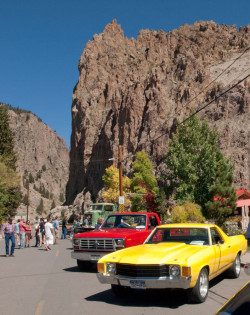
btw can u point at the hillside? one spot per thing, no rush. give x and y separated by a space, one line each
42 160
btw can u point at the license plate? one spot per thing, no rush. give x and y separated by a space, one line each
137 284
95 257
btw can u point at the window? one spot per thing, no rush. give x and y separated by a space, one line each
191 236
215 236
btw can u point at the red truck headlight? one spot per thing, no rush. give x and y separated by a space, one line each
119 243
76 243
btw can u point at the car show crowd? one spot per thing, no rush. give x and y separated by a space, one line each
20 233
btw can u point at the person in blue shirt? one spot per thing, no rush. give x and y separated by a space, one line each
56 229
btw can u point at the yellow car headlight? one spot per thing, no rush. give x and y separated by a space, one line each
111 268
174 270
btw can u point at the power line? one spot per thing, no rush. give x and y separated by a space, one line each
215 98
203 90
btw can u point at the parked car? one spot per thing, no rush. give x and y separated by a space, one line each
184 256
119 230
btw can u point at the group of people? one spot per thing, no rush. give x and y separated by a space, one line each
45 231
21 233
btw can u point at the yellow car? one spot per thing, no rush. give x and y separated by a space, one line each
185 256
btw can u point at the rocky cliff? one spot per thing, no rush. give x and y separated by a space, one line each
132 91
42 160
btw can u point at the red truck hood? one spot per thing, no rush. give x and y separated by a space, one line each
110 233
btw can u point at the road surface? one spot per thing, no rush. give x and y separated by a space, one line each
39 282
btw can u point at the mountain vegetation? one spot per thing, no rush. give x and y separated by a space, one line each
10 195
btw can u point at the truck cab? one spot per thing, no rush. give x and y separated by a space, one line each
97 210
118 231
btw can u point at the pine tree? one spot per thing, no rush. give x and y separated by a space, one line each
10 195
222 192
6 139
40 207
194 159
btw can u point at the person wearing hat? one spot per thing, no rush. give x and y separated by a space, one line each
9 233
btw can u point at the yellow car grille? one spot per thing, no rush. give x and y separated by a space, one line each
152 271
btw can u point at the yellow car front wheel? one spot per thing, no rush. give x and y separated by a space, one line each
199 292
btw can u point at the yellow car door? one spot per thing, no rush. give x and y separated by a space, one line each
222 248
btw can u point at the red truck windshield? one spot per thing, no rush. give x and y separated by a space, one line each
135 221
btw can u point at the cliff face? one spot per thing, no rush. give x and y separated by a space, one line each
132 91
42 159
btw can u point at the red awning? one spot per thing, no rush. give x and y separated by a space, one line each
243 202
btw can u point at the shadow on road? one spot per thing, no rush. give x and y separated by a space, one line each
153 298
92 269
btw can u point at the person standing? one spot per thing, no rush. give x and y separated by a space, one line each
28 234
64 227
49 234
42 232
86 221
37 230
99 223
22 233
9 233
56 229
17 233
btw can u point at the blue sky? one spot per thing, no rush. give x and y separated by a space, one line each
42 41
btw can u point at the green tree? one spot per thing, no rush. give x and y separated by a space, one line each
40 207
31 178
194 159
6 139
10 196
25 200
224 195
143 172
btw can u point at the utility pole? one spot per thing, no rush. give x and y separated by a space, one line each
28 192
121 197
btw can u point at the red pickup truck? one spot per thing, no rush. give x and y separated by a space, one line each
119 230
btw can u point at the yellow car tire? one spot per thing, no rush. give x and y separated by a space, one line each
234 271
198 294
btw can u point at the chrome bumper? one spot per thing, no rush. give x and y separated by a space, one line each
150 283
88 256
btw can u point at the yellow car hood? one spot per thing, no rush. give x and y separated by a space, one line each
174 253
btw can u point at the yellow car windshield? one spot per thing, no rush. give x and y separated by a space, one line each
192 236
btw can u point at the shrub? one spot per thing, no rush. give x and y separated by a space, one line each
187 212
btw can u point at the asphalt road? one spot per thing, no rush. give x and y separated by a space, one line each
40 282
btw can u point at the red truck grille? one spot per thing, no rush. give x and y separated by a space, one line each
94 244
